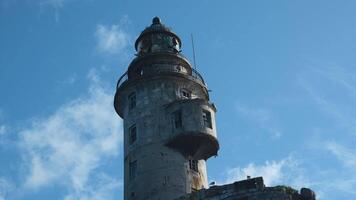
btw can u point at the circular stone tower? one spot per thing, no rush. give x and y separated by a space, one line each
169 122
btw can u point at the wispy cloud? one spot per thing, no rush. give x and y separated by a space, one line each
347 156
333 89
56 5
100 189
2 129
346 79
285 171
337 179
271 172
68 146
112 39
264 119
5 188
71 79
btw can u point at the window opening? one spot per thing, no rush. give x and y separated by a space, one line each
132 101
132 134
207 119
175 45
193 165
177 119
165 180
186 94
132 169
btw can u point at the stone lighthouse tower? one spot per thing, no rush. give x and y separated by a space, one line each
169 121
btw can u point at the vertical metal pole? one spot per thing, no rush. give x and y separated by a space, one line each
191 36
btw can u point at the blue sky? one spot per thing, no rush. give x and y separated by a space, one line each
282 75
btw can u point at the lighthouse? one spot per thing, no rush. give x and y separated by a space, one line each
169 120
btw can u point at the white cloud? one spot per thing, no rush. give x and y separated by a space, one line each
3 129
264 118
285 171
111 39
271 172
66 147
100 190
5 188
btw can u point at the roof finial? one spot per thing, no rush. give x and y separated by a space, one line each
156 20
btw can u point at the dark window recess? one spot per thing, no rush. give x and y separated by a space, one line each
177 119
132 101
132 134
193 165
139 72
186 94
207 119
165 180
133 169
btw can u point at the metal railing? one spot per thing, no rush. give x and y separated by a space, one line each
195 75
122 79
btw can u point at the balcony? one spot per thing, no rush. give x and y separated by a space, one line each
192 127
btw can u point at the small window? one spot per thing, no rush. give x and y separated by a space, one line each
186 94
132 134
193 165
139 72
132 101
207 119
177 119
165 180
175 44
132 170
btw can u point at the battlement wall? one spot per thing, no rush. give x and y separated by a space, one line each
250 189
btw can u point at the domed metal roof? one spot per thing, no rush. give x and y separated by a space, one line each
157 27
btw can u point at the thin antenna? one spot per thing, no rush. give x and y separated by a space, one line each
195 65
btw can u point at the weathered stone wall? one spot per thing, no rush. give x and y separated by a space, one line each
250 189
162 172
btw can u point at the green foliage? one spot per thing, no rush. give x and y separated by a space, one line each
288 189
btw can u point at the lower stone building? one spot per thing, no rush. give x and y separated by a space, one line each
250 189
